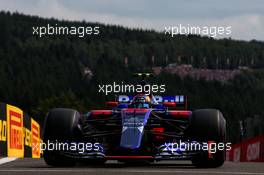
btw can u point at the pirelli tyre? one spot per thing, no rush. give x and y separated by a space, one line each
61 125
208 125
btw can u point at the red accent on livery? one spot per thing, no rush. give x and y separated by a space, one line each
161 130
158 131
136 110
180 114
169 104
112 103
101 112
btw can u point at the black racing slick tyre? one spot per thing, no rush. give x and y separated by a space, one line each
208 125
61 126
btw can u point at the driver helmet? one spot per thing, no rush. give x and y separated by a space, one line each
141 101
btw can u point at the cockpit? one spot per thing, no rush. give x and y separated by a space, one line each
141 101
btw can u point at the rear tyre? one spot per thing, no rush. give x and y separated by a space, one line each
208 125
61 125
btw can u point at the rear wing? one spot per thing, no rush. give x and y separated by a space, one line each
180 100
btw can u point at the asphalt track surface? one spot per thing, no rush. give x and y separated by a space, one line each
38 166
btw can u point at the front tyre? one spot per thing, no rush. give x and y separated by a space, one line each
61 125
208 125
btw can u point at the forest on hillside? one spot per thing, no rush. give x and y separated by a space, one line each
37 74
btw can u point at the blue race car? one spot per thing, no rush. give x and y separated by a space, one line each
136 128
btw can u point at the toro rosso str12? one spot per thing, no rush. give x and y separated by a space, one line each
136 128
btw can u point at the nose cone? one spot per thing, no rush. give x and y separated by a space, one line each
131 137
133 121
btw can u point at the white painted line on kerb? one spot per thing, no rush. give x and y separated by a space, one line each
7 159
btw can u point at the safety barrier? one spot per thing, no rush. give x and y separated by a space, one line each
250 150
19 133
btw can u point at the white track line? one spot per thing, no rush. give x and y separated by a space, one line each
136 171
7 159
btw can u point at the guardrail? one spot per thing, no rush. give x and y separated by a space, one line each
250 150
20 135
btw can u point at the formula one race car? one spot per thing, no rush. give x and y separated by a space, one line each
137 128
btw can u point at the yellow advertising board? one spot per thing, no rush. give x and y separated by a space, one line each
15 141
35 139
3 127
